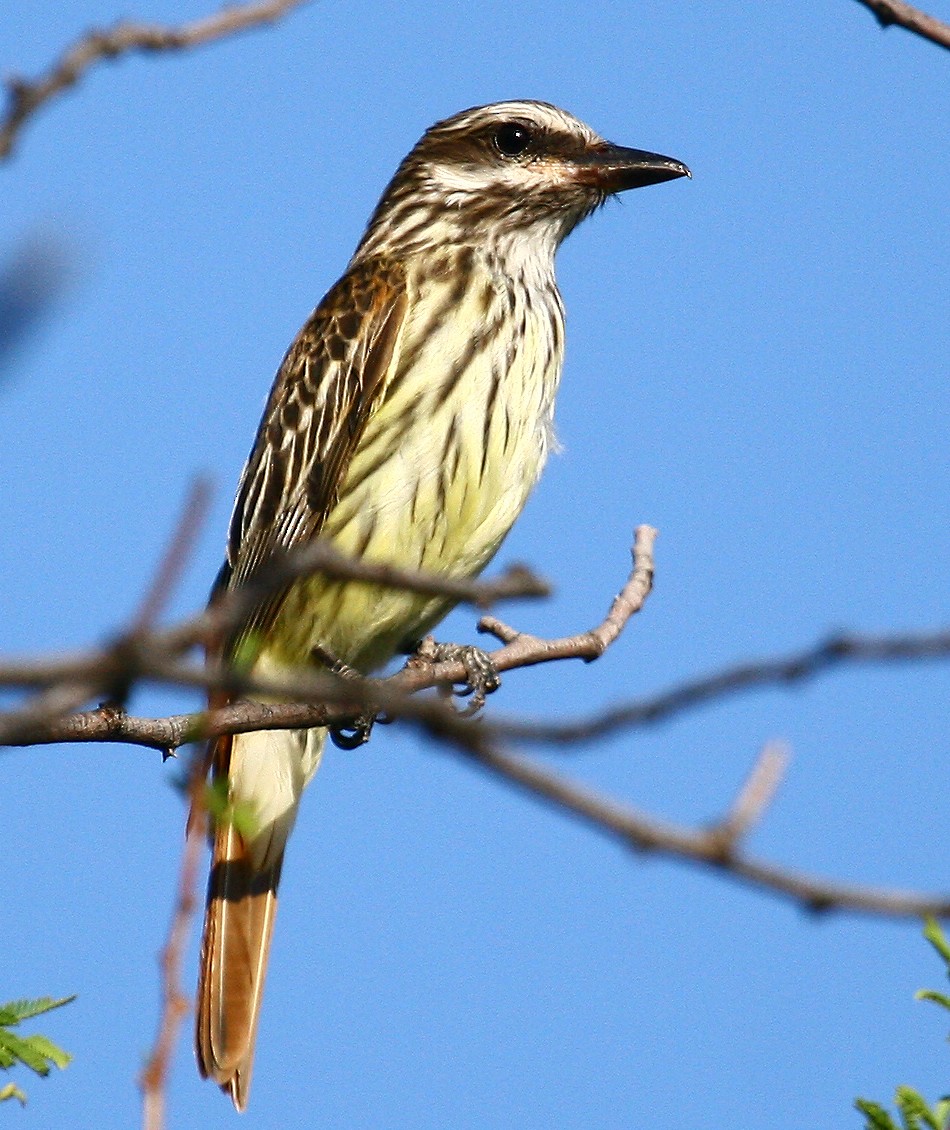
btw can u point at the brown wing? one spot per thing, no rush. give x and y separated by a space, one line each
326 387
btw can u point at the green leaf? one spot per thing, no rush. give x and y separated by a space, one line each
915 1110
877 1117
930 995
12 1091
224 811
25 1052
13 1012
53 1052
938 940
247 651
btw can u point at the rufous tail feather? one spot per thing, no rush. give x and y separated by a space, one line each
239 920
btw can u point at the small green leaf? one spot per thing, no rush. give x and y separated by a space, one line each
915 1110
877 1117
24 1051
937 939
13 1012
247 651
53 1052
12 1091
224 811
930 995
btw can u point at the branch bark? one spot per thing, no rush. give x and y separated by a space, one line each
175 1003
717 847
781 670
891 13
311 698
25 97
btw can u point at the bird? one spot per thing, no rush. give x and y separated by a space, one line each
408 423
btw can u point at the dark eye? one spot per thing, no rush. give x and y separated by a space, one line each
512 139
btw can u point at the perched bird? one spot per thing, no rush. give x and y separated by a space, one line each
408 423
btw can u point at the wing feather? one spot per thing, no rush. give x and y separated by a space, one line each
331 378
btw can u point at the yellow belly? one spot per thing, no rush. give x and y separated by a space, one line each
443 469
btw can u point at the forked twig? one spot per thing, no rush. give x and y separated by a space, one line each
25 97
704 846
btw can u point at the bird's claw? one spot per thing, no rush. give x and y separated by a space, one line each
481 674
351 735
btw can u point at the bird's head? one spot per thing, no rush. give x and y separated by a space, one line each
506 168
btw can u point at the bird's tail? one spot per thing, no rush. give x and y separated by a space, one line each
239 920
266 772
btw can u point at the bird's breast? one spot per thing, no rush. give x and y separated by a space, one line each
449 454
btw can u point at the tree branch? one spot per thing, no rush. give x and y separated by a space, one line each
716 847
25 97
800 666
175 1003
891 12
312 697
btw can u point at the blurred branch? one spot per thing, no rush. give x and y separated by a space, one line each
175 558
312 697
175 1003
783 670
25 97
718 846
895 12
28 284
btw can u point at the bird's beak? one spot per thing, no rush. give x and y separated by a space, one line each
613 168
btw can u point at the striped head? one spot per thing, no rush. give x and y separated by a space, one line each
507 171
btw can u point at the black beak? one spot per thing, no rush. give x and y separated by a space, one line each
615 169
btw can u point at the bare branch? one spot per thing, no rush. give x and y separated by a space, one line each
522 650
176 556
895 12
175 1003
836 651
333 700
705 847
319 698
135 656
25 97
755 796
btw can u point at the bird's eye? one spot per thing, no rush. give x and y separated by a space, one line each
512 139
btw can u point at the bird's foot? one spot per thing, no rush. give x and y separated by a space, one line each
352 734
481 674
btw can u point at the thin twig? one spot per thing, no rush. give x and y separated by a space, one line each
25 97
144 657
782 670
523 650
755 796
175 1004
895 12
175 557
702 846
231 609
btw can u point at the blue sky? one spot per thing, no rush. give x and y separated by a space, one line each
757 364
